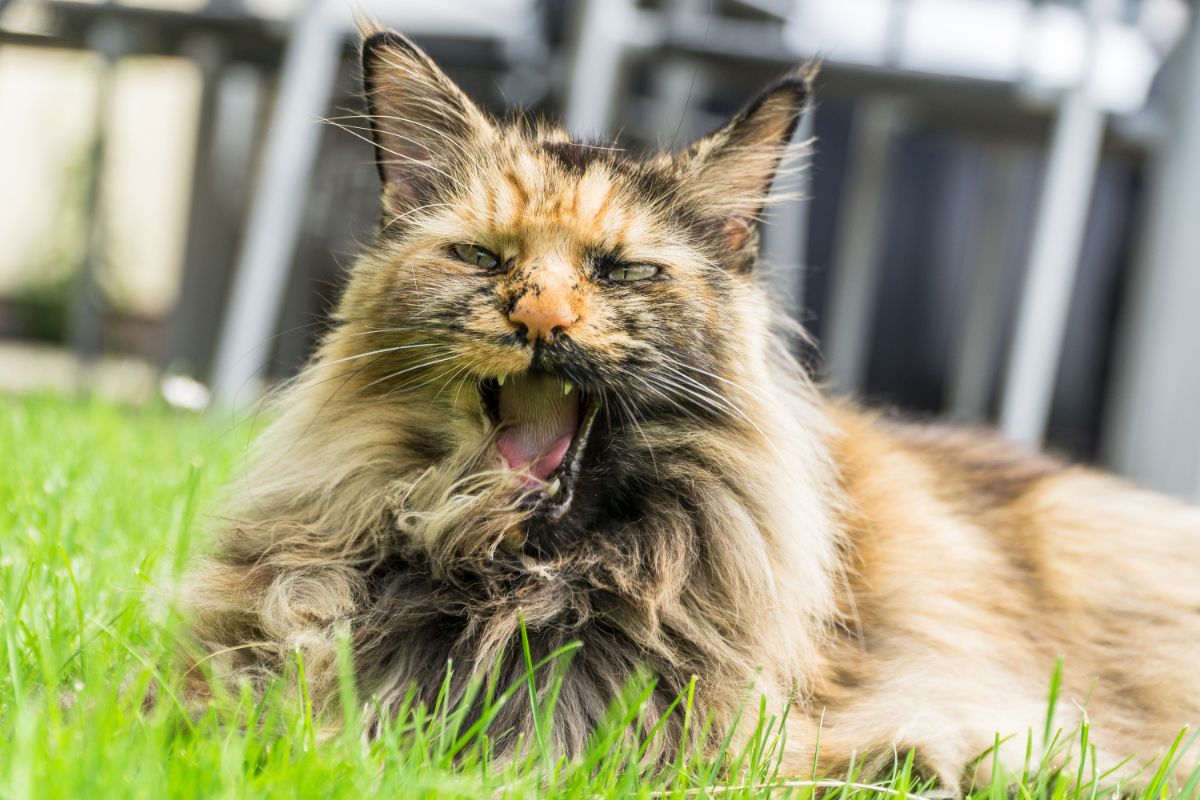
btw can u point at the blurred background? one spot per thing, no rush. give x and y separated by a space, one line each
1001 220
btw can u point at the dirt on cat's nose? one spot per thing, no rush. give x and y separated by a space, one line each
543 314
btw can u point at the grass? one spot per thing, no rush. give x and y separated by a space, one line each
99 503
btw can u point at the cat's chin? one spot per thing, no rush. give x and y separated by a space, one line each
545 455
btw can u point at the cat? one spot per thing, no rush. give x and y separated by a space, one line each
557 397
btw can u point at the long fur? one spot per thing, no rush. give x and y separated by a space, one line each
896 586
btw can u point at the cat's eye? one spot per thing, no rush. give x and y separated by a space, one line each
632 272
472 254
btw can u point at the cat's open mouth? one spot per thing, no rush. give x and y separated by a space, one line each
544 423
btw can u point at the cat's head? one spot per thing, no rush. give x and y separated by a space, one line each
553 291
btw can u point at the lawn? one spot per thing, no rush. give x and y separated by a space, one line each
99 503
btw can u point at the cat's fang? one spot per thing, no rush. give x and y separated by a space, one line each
554 487
567 387
500 380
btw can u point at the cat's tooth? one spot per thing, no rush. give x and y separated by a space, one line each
553 488
500 381
567 387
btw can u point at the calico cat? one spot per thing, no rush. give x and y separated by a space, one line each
556 394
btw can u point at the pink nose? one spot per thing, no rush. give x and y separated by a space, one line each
543 315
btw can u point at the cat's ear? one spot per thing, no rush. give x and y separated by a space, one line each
730 172
421 122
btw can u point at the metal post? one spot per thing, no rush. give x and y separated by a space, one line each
306 83
1153 428
599 65
856 251
1054 258
86 324
186 339
973 363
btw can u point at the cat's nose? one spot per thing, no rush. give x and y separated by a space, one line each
543 315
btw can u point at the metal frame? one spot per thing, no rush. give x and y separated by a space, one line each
1054 260
1153 428
857 245
310 68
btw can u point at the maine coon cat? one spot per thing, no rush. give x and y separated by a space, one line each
556 391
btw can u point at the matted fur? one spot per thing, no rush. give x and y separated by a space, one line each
900 587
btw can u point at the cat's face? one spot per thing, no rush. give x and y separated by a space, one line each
556 290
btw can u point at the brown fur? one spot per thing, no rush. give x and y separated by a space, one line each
898 586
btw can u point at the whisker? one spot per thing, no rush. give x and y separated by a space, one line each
406 370
393 220
418 162
357 356
723 379
717 397
705 399
335 121
626 407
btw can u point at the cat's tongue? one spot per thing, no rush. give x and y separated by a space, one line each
538 422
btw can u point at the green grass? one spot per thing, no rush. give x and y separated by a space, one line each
100 503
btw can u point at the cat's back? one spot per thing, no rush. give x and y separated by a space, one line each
1045 514
973 565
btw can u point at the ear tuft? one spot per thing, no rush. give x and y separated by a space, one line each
730 171
421 122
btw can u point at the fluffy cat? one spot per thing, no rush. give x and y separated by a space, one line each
555 391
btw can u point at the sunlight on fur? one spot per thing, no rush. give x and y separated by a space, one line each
556 394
